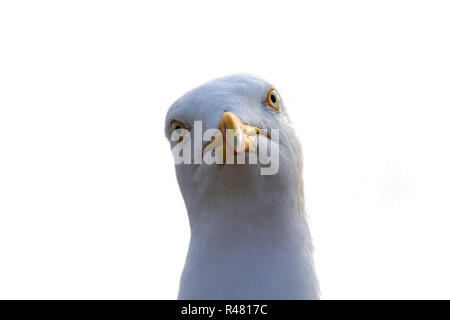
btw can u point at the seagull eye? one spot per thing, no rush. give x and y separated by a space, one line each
178 130
273 99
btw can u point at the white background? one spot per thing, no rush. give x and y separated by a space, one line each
89 203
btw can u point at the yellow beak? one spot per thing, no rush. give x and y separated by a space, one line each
233 136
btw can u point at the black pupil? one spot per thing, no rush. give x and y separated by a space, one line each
177 127
273 98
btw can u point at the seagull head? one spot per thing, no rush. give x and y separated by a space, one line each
197 127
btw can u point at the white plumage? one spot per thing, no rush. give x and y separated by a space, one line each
249 234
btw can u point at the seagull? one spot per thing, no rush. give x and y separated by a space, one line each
250 237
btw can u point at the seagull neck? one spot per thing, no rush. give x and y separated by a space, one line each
275 218
249 250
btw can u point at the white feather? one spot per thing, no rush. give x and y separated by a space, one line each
249 234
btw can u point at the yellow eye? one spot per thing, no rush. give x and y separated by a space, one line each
273 99
178 130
